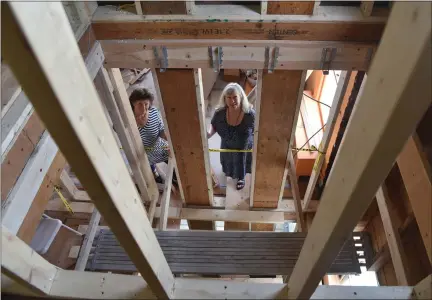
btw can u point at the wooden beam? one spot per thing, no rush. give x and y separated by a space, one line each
276 120
123 128
328 131
423 290
393 238
77 122
198 214
17 204
165 202
366 8
301 226
416 174
185 130
22 264
31 220
189 53
382 129
140 159
88 241
109 24
41 277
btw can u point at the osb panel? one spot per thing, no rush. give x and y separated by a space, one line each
276 118
163 7
290 7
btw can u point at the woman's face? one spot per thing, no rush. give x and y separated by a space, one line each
232 100
141 110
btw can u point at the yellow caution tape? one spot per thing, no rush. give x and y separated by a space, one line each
65 202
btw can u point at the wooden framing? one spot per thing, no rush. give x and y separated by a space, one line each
276 120
393 239
383 129
88 241
109 24
185 130
84 137
296 192
20 265
189 53
138 158
164 207
78 124
416 174
328 131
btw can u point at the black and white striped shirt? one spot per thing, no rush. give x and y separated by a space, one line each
155 146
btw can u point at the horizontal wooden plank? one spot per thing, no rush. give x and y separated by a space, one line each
109 24
236 54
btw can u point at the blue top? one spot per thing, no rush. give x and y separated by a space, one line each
239 137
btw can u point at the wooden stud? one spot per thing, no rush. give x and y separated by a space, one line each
138 7
416 174
393 239
366 8
374 137
123 105
22 264
88 241
77 122
125 132
293 131
423 289
296 192
328 131
165 202
276 120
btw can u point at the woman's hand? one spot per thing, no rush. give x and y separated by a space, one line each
211 132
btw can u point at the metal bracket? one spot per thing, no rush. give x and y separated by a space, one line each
215 61
327 56
274 59
162 61
266 57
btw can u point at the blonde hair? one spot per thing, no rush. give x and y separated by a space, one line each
235 88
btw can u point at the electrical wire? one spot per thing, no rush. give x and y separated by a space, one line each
316 100
299 149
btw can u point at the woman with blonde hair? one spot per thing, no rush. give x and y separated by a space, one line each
234 121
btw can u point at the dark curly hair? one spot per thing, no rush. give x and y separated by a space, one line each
140 94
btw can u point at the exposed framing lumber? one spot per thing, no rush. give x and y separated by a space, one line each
109 24
17 204
301 226
423 289
88 241
185 130
328 131
203 214
416 175
140 159
124 131
382 127
276 119
290 7
164 207
367 7
33 272
77 122
237 54
393 238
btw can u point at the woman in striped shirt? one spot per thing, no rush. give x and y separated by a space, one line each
151 128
